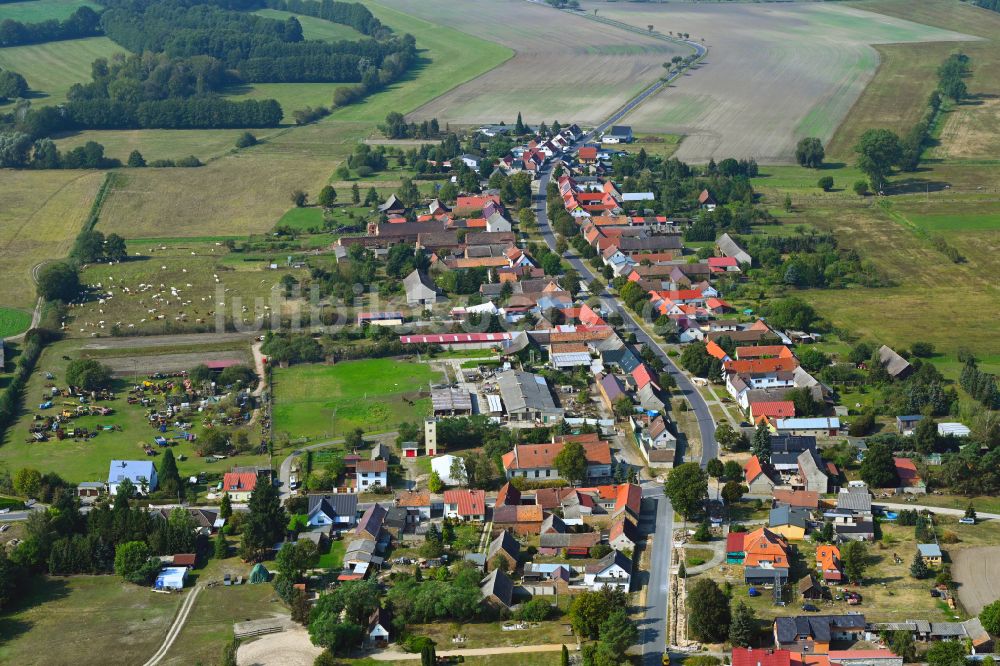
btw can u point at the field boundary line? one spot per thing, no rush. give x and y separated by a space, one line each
175 628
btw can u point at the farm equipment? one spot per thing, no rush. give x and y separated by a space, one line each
45 405
160 441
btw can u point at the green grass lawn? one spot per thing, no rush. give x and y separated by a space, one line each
13 321
328 400
53 67
334 557
315 28
99 620
37 11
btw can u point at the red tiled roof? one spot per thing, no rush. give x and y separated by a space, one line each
734 542
763 351
532 456
629 497
752 469
777 409
716 351
716 303
373 466
469 502
906 470
801 498
415 499
722 262
642 375
508 494
761 657
239 482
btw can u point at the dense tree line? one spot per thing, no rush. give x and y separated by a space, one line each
353 14
18 151
980 385
810 261
84 22
260 49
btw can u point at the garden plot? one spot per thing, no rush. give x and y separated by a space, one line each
773 74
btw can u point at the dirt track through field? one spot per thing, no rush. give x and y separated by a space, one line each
565 67
976 571
773 75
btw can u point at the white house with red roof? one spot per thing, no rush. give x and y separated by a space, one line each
239 485
465 504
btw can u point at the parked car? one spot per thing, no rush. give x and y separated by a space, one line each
5 510
809 608
966 521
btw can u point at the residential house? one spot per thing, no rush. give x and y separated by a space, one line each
707 201
613 570
894 364
372 473
907 425
766 549
239 485
420 290
828 564
826 426
504 546
811 472
623 535
789 522
497 591
379 629
909 478
527 399
611 389
785 451
760 477
141 473
520 518
628 502
617 134
465 504
537 461
339 510
855 498
417 505
800 499
813 634
371 523
771 411
443 466
90 491
931 554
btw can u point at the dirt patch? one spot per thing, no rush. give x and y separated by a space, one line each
288 648
125 366
979 580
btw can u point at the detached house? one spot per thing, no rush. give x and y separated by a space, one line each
465 504
761 478
372 473
537 461
614 570
141 473
339 510
239 485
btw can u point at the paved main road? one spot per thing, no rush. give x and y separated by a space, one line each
706 424
653 629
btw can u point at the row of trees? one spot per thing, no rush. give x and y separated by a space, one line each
396 127
19 151
84 22
979 384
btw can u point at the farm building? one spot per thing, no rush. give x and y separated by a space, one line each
458 340
451 401
420 290
497 590
894 364
730 248
527 399
823 425
380 318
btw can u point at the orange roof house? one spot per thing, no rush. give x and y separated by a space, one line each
761 365
907 472
716 351
763 351
771 410
828 563
764 548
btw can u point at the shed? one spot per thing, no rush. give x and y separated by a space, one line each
171 578
809 588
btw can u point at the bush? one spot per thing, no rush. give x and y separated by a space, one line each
417 644
364 171
862 425
535 610
922 349
246 140
825 183
860 188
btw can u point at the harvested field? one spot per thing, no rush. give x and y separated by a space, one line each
773 75
564 66
976 572
41 212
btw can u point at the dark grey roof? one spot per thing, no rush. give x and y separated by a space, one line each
371 522
499 585
792 443
608 561
764 574
854 499
339 504
553 523
506 543
816 627
863 527
784 514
